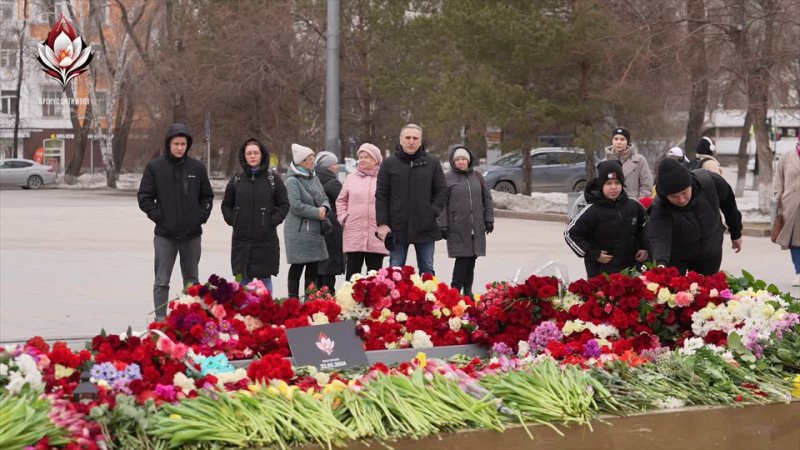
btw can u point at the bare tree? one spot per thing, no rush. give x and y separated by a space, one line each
698 71
20 67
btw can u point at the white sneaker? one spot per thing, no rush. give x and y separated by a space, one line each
796 281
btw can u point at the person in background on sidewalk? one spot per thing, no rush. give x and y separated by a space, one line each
467 217
609 233
786 188
356 212
327 167
303 230
176 195
410 196
638 178
255 203
704 158
685 227
679 155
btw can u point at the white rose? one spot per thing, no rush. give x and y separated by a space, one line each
455 323
401 317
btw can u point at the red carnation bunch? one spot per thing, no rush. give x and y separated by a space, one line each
270 367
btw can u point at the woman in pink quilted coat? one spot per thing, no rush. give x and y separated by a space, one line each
356 210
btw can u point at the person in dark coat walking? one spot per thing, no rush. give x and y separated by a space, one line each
467 218
176 195
303 230
411 194
609 233
685 227
327 167
255 203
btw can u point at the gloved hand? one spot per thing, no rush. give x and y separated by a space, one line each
444 233
489 227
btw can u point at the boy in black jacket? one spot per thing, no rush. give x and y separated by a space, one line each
609 233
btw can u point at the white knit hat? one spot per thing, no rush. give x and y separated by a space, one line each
299 153
461 152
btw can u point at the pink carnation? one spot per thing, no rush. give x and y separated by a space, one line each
683 299
218 311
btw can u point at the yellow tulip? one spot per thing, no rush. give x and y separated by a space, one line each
422 358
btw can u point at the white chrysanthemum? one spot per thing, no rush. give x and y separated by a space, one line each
421 340
183 382
344 298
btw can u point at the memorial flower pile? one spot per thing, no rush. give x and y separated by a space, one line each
396 308
559 354
239 320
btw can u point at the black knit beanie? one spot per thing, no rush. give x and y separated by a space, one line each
673 177
624 132
610 169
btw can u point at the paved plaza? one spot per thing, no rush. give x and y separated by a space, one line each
73 262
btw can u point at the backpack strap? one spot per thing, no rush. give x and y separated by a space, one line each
270 175
709 188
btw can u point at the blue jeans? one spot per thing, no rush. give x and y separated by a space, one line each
795 251
424 256
268 283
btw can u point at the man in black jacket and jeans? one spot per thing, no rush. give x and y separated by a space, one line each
410 195
176 195
685 227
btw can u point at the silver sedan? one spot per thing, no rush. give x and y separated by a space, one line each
25 173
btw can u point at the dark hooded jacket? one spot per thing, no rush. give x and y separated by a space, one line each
696 230
175 192
334 265
469 208
616 226
255 203
410 195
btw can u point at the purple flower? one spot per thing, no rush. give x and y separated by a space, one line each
132 372
104 371
591 349
545 333
501 348
726 294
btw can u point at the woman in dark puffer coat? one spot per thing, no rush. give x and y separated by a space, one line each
255 203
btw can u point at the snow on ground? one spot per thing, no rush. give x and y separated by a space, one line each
538 202
554 202
125 182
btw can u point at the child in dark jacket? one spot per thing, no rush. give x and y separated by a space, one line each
609 233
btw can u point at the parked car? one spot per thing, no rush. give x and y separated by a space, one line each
554 169
25 173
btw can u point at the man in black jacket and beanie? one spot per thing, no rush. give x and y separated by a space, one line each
685 228
410 195
176 195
